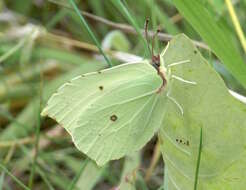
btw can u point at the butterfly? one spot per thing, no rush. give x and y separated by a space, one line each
117 110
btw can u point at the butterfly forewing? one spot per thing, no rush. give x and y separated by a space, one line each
109 113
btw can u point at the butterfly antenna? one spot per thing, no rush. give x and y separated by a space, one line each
153 40
146 32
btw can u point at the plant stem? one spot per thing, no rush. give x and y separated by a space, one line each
154 161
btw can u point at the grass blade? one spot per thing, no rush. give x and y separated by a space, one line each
216 35
123 9
130 172
91 175
36 147
1 180
56 18
75 179
93 37
44 177
236 24
13 177
14 49
198 161
162 17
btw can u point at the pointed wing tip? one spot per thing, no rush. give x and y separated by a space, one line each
44 112
183 40
182 36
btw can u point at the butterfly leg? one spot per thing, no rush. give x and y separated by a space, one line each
164 81
175 102
178 63
177 77
183 80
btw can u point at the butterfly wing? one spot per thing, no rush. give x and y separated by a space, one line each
207 105
109 113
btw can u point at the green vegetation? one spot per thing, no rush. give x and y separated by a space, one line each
44 44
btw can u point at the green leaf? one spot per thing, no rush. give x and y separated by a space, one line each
215 34
207 105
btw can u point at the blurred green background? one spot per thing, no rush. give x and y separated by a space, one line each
43 43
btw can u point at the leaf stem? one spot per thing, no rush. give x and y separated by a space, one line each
154 161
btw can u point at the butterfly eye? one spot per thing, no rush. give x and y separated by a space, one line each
101 87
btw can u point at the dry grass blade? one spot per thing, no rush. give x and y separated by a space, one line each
127 28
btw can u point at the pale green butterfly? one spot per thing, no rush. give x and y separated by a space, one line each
115 111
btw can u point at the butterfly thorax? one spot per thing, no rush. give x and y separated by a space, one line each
155 62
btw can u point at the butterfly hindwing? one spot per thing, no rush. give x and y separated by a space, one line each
207 105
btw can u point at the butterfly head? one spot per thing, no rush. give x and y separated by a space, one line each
155 59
